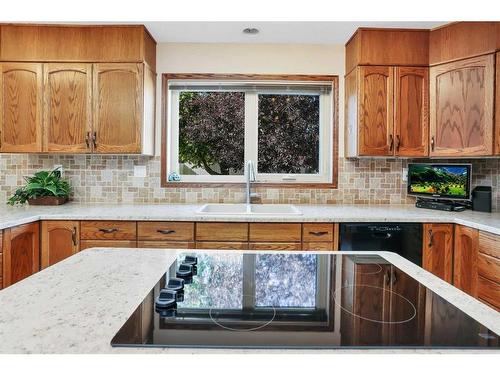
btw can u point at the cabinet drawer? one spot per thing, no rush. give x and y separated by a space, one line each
86 244
165 244
108 230
488 267
489 291
318 246
275 246
489 244
161 230
222 245
318 232
222 232
273 232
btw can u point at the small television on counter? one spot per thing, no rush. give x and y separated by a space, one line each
440 181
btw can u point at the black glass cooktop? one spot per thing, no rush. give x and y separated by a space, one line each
245 300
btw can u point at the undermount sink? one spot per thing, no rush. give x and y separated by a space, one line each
249 209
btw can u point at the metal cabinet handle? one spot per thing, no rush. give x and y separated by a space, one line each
73 236
387 277
398 142
432 143
391 142
166 231
430 238
87 140
94 139
108 230
318 234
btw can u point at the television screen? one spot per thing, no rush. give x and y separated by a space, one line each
450 181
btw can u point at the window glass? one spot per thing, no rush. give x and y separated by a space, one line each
288 134
211 133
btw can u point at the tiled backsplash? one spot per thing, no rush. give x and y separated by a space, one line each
110 179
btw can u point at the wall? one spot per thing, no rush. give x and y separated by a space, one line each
110 178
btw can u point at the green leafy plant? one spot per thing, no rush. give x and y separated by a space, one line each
42 184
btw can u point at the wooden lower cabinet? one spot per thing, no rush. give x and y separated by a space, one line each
465 259
59 240
21 252
319 246
165 245
86 244
275 246
488 269
438 250
222 245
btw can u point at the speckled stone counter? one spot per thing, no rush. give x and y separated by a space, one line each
12 216
77 305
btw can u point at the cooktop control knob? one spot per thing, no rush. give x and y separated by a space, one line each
163 304
188 259
175 284
185 271
166 294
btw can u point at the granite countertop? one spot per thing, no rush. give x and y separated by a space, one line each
12 216
78 305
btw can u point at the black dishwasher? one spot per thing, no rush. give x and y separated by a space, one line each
404 239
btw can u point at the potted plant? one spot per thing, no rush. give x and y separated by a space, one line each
44 188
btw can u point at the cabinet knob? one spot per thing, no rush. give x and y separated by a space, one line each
73 236
398 142
94 139
430 238
391 142
432 143
87 140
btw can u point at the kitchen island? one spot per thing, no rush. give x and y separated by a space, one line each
79 304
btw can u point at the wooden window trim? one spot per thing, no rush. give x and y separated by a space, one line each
284 77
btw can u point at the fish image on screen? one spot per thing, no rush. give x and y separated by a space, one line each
443 181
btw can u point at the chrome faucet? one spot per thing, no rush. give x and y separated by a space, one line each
250 177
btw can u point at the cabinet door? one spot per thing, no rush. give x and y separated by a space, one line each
411 111
67 107
376 84
59 241
21 252
438 250
461 107
497 105
465 259
118 101
21 107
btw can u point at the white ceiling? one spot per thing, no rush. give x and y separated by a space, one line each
270 32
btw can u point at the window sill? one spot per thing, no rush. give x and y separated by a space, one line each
281 185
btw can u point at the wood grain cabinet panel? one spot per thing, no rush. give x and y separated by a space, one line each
59 241
67 107
87 244
222 232
438 250
461 107
118 107
108 230
411 111
488 267
275 246
275 232
21 107
376 84
317 232
21 247
161 231
489 244
489 292
222 245
465 259
319 246
165 244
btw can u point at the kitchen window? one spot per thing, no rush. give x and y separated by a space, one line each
285 127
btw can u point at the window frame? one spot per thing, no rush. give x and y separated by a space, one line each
272 180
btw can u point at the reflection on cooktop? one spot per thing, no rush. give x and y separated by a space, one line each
246 300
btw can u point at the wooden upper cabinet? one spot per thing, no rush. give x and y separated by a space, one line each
21 247
59 241
461 107
21 107
497 104
375 115
465 259
118 107
438 250
411 111
67 107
